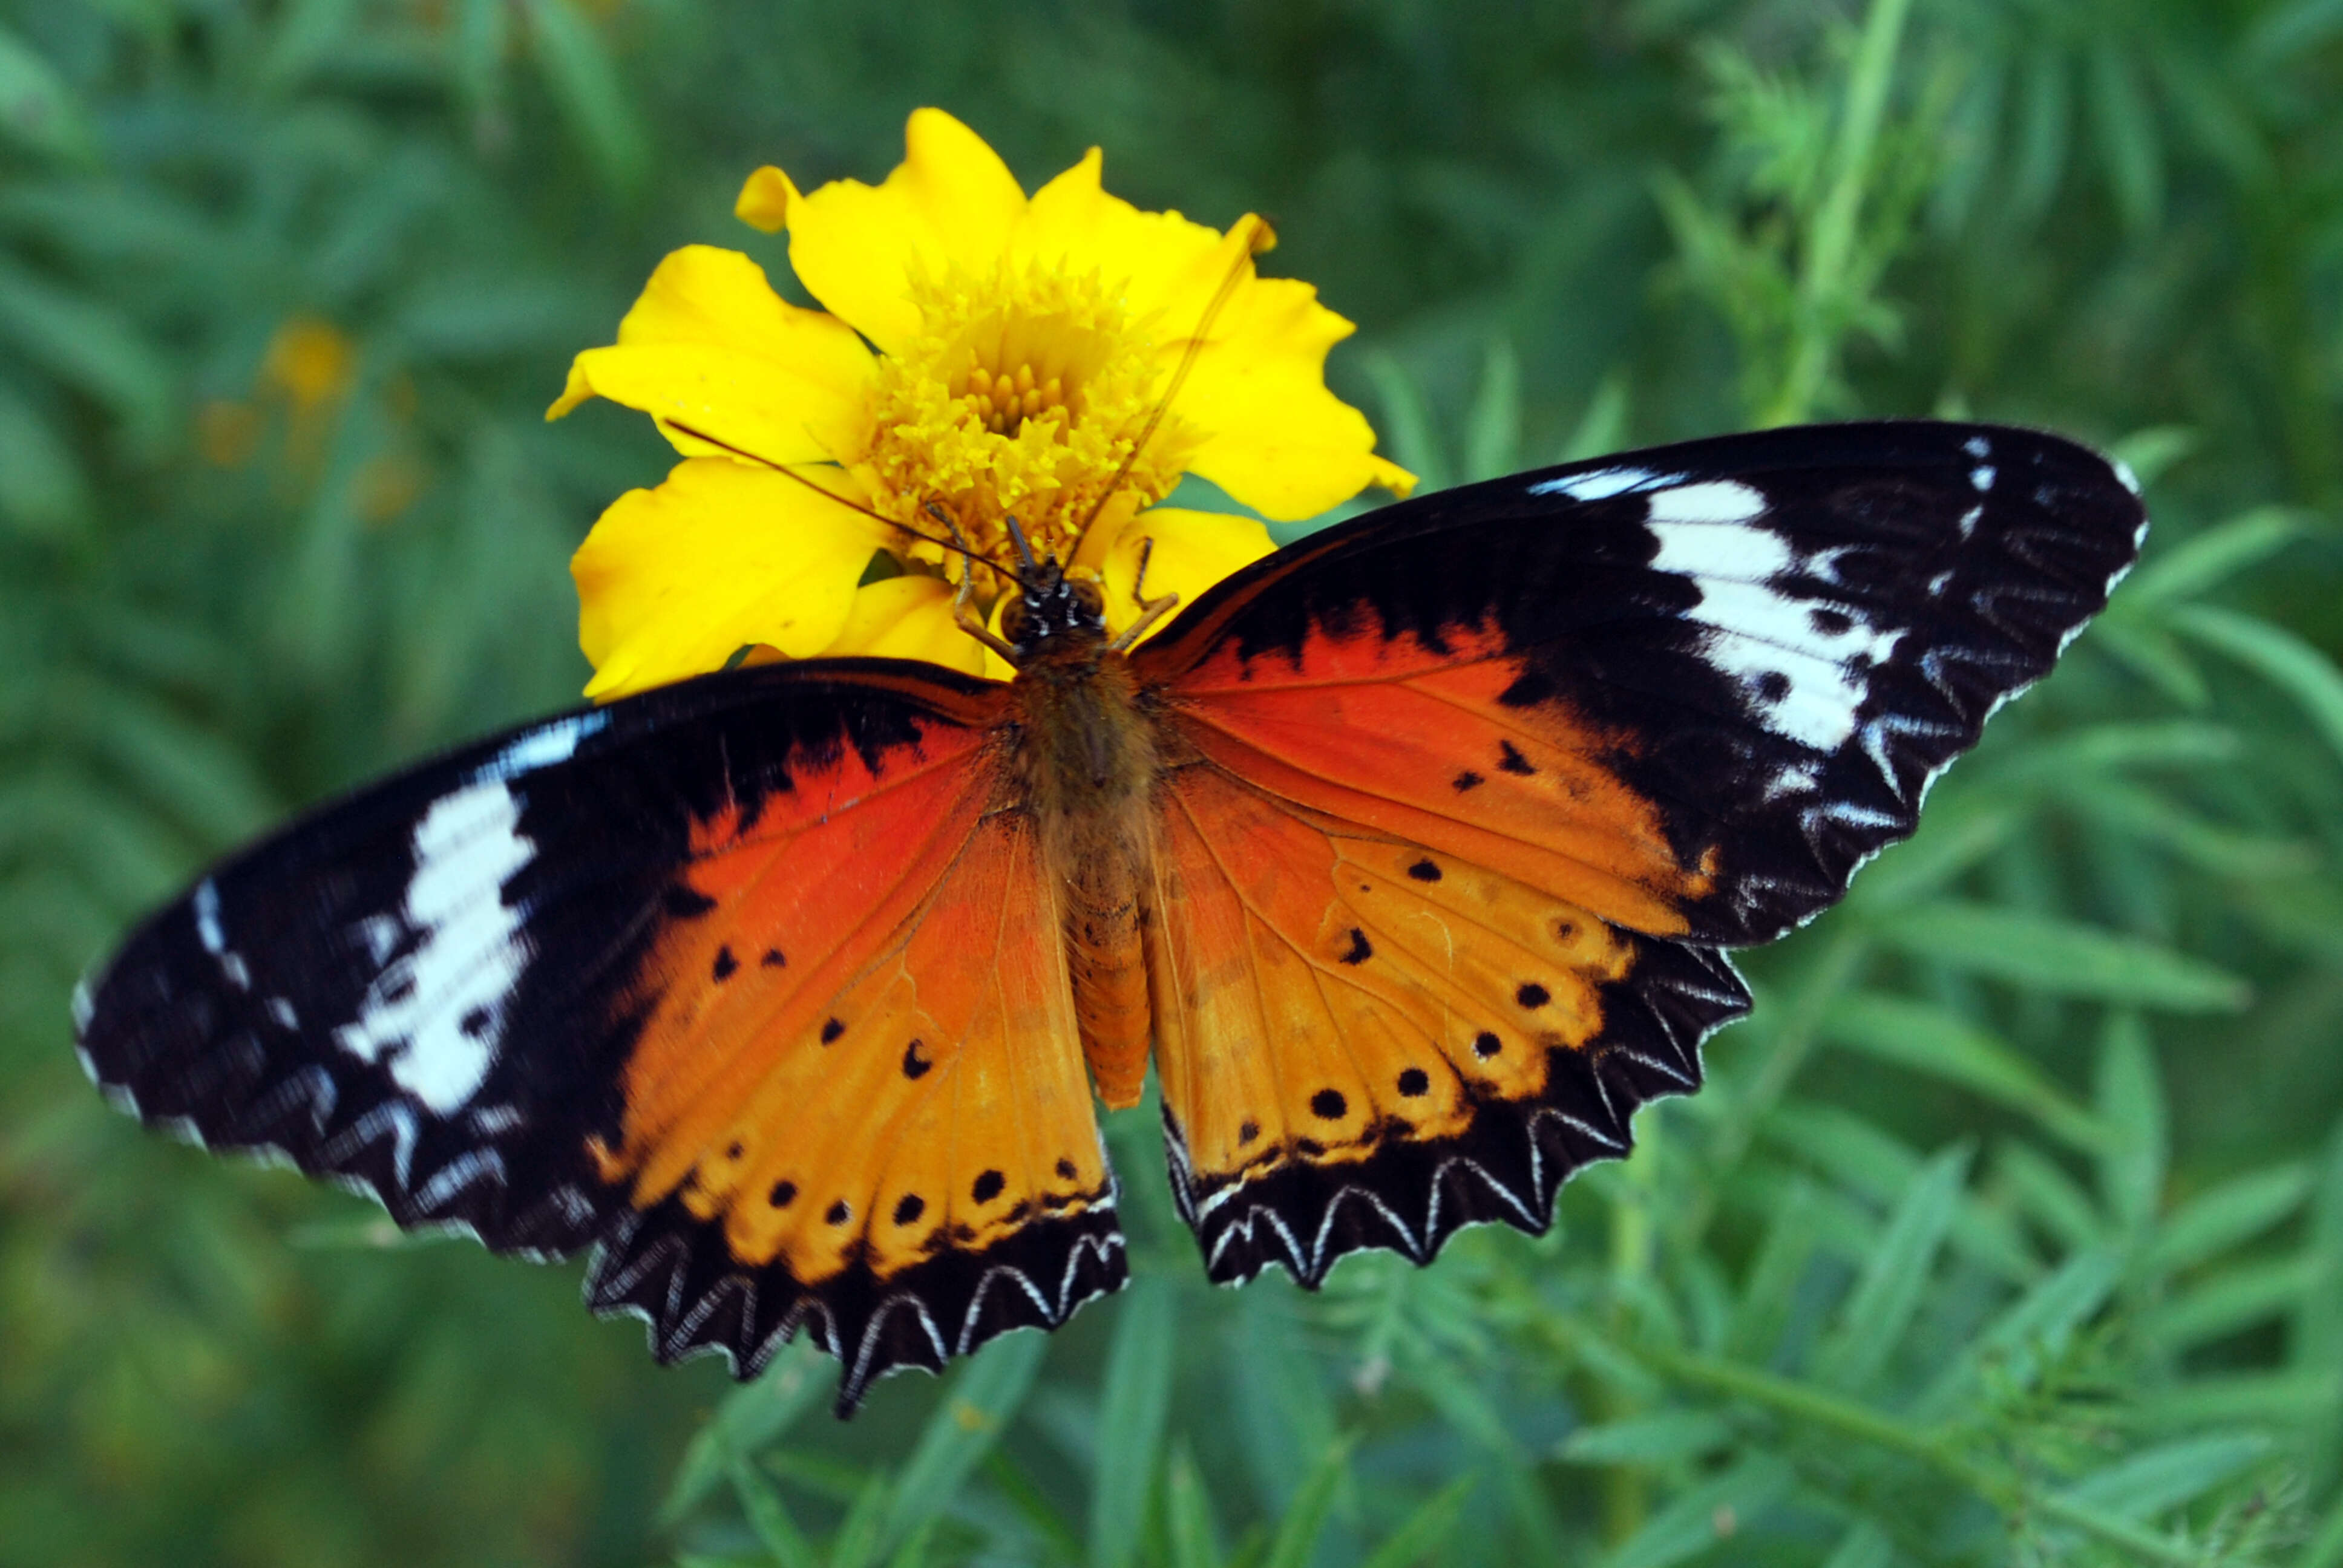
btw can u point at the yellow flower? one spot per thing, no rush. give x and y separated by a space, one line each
1024 352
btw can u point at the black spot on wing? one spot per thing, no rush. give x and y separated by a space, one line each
1410 1194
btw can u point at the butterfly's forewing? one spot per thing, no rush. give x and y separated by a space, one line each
748 982
1682 693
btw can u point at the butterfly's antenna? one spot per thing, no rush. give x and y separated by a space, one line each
841 501
1258 240
951 526
1024 550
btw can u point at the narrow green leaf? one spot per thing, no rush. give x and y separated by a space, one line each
2171 1476
1305 1518
2150 451
41 490
857 1543
1423 1531
1782 1258
2061 957
2209 559
1879 1309
1407 422
2049 1196
2221 1218
1863 1546
769 1518
584 81
2278 655
1188 1511
2231 1302
2127 136
37 111
306 33
1493 431
2325 1549
1131 1415
1603 427
1936 1042
1659 1439
749 1417
974 1413
2154 655
2032 1332
1697 1519
2131 1102
89 344
1953 837
2124 746
2307 1399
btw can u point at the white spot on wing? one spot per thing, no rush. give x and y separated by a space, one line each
1800 679
282 1011
1978 446
1982 476
1711 501
468 957
2129 480
1599 485
214 940
541 748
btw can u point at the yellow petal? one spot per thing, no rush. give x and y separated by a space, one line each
765 200
672 582
949 204
909 617
710 346
1273 437
1192 551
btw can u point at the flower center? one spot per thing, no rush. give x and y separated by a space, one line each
1024 396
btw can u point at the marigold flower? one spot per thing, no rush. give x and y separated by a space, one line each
1024 351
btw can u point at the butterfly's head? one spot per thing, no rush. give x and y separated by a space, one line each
1052 608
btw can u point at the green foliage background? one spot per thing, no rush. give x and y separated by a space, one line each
2009 1229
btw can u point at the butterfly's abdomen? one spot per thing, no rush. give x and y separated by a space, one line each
1088 765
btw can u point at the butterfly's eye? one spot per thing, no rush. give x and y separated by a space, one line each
1089 599
1017 621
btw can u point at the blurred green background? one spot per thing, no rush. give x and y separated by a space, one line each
2009 1229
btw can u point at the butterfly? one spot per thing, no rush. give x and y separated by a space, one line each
1408 855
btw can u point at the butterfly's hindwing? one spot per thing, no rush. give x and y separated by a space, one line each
453 990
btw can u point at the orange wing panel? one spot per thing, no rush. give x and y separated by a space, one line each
1365 1040
857 1085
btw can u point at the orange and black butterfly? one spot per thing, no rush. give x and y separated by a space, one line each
1409 855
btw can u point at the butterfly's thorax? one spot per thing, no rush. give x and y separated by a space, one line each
1087 761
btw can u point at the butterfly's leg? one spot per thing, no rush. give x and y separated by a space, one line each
964 614
1150 610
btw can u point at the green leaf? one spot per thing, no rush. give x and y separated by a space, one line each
2171 1476
1879 1311
1188 1512
1603 427
2032 1332
2209 559
975 1411
1698 1519
1132 1410
584 81
769 1518
1313 1504
37 111
1941 1044
2231 1302
2131 1102
1659 1439
750 1417
858 1539
1863 1546
1493 431
1407 422
2216 1220
88 344
2061 958
2149 452
2127 136
1421 1534
41 490
2278 657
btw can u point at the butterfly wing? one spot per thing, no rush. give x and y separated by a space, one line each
751 983
1621 715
